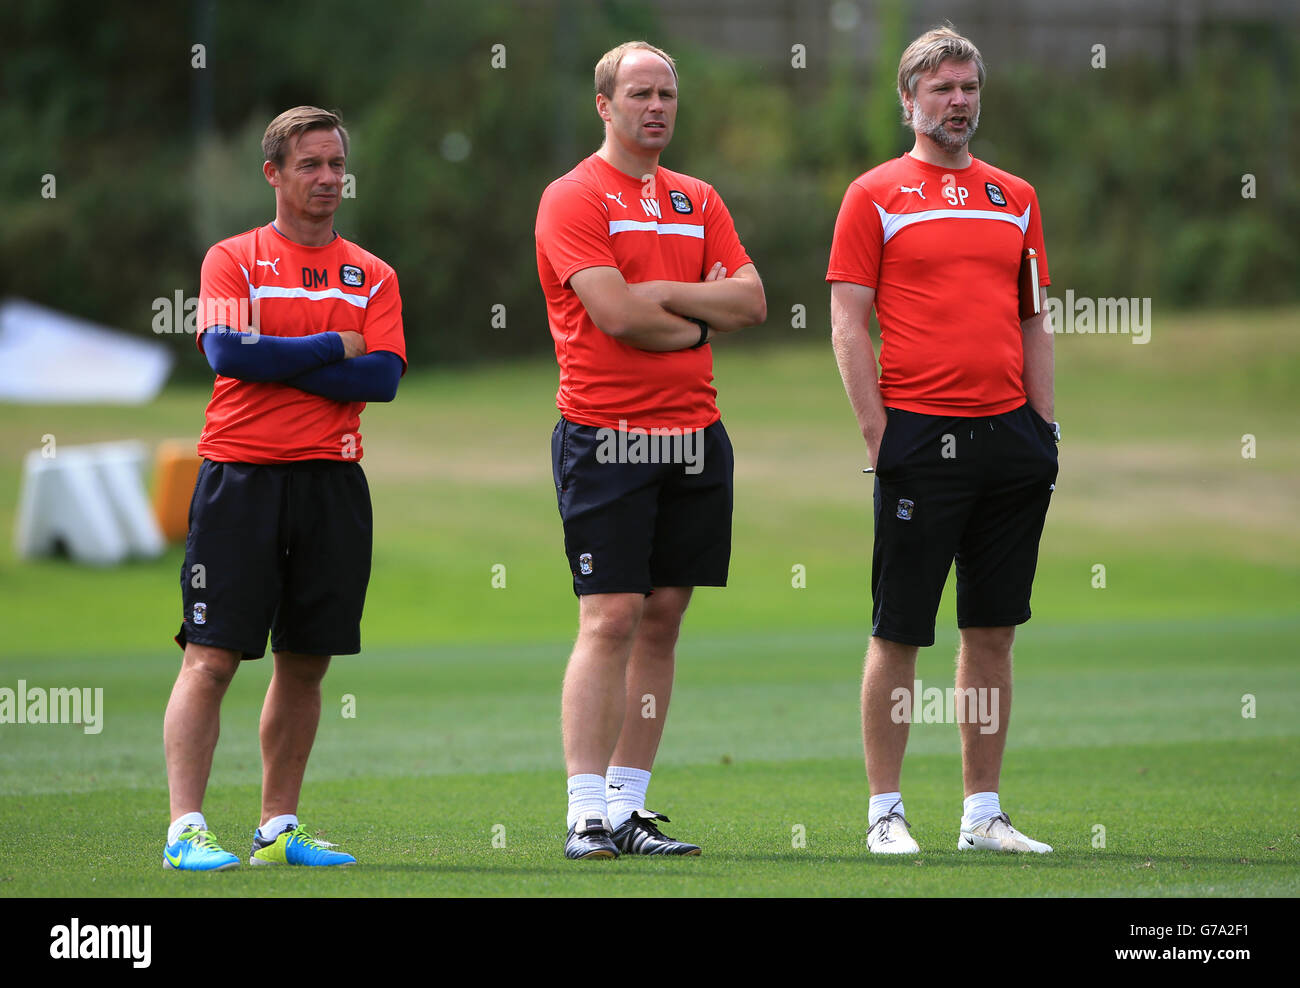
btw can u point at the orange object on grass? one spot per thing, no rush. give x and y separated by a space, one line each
176 468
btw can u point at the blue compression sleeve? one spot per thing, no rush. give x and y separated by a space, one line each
370 377
268 358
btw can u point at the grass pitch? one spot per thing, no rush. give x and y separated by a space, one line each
1128 734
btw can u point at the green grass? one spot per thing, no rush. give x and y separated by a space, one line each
433 835
1128 700
449 743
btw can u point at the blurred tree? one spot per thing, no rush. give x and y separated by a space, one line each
462 111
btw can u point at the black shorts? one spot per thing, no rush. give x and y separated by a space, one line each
281 547
973 489
643 511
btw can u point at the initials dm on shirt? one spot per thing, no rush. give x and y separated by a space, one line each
293 290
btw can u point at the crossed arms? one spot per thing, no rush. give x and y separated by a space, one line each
332 365
655 315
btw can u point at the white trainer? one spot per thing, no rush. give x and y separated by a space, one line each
997 834
889 835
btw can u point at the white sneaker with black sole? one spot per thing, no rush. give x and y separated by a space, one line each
997 834
889 835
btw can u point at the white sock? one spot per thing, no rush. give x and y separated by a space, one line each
625 791
883 804
586 795
278 825
979 807
181 822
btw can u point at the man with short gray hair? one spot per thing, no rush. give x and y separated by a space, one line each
958 425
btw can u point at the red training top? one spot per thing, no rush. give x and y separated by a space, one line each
286 289
669 228
942 248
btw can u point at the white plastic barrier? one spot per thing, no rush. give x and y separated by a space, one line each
89 501
49 357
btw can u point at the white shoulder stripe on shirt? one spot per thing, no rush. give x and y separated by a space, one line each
891 223
275 291
663 229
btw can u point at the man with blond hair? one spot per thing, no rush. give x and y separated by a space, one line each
302 329
641 267
958 426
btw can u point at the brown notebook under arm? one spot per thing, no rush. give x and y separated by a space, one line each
1030 301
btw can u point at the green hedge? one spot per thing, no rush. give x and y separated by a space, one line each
1138 166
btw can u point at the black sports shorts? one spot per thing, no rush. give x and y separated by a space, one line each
281 547
643 509
973 489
